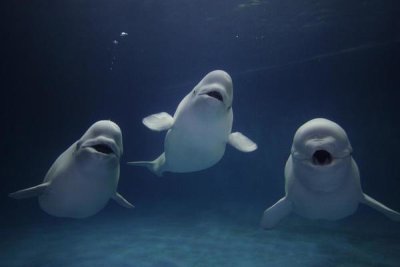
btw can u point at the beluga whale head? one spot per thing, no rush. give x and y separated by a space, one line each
215 89
321 144
101 142
321 150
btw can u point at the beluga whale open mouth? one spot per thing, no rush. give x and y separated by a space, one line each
215 94
103 148
322 157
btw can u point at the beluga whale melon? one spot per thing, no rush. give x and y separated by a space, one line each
322 180
199 130
84 177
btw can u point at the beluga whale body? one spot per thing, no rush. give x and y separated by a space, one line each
199 130
322 180
84 177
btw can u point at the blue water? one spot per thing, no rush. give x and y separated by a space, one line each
290 61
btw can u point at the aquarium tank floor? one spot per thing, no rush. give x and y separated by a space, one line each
173 235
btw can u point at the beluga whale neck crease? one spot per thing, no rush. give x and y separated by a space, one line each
84 177
322 180
199 130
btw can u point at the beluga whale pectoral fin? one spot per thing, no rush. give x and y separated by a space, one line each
274 214
376 205
159 122
122 201
30 192
241 142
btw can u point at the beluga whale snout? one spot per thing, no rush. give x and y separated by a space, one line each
322 180
199 130
84 177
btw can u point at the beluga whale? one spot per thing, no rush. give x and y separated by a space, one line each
322 180
199 130
84 177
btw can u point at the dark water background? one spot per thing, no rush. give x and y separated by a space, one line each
290 61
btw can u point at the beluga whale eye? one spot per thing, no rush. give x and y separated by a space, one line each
216 95
321 157
102 148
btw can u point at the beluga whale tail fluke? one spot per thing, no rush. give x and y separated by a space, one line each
201 127
84 177
322 180
154 166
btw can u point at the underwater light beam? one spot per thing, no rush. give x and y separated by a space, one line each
321 56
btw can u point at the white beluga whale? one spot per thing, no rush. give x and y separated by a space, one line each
84 177
199 130
322 180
